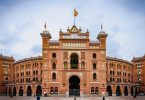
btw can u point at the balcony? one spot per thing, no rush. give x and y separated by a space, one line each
74 66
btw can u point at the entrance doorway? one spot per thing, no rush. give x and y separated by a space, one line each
29 91
74 87
39 91
118 91
109 90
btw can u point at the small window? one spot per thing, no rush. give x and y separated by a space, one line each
53 76
56 90
83 65
96 90
94 65
94 55
92 90
113 79
51 90
53 66
94 76
33 72
110 72
65 65
113 72
54 55
36 79
6 78
33 79
36 72
110 79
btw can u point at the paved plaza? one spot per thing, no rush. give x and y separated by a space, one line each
72 98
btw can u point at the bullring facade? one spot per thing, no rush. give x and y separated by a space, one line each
72 65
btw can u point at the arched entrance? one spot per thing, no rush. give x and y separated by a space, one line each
74 87
125 91
6 91
74 61
118 91
39 91
21 91
14 91
10 91
109 90
29 91
131 91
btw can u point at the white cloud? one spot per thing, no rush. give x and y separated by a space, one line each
25 21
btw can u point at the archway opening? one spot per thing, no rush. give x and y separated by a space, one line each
74 61
39 91
109 90
6 91
74 87
118 91
10 91
131 91
29 91
14 91
21 91
125 91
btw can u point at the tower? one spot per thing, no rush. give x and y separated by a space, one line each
46 36
102 69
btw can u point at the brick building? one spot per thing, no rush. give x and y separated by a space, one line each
119 76
139 72
72 65
6 72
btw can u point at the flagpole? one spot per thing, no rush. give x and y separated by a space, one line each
74 20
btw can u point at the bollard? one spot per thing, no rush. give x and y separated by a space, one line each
75 98
103 98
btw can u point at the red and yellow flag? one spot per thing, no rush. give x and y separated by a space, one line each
75 13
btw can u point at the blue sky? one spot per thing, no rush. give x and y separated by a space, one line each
22 21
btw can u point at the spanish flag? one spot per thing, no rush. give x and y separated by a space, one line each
75 13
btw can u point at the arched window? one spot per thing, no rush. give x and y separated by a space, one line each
51 90
94 55
65 65
74 61
92 90
110 72
53 55
33 72
110 79
53 66
94 76
83 65
53 76
6 78
56 90
36 72
113 72
113 79
94 65
36 79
